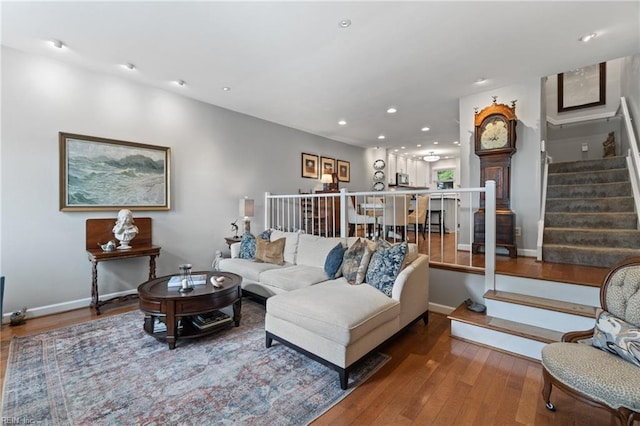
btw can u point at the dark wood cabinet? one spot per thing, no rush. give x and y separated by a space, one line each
505 231
321 215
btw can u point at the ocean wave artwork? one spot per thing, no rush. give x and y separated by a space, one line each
100 174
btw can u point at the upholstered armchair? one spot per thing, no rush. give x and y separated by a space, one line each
418 217
602 366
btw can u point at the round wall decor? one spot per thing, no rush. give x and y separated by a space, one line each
379 164
378 176
378 186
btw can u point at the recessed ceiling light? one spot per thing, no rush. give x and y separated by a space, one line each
402 147
180 82
342 122
396 150
345 23
392 110
419 145
226 88
456 142
130 67
588 37
435 142
57 43
381 137
425 129
480 80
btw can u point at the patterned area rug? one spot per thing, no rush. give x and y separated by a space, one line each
109 371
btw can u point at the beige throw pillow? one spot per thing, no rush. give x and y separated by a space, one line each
270 252
356 261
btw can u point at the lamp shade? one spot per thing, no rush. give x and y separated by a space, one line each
246 207
326 178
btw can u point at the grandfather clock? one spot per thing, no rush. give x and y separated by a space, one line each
495 143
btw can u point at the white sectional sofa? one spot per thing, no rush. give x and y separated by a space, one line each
330 320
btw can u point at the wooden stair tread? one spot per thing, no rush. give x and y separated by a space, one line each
462 314
542 303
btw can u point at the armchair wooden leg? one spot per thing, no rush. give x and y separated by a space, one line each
546 390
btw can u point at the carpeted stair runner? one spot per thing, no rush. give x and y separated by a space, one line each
590 214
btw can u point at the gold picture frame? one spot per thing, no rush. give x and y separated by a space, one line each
107 174
344 171
327 166
309 166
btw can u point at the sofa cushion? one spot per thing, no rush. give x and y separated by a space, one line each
247 269
385 265
617 336
290 246
270 251
294 277
335 310
333 262
313 249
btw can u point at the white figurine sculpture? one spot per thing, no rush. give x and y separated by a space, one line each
124 229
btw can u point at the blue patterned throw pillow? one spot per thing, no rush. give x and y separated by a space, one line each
617 336
247 246
334 261
385 265
265 235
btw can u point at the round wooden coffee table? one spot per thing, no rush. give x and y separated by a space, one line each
183 312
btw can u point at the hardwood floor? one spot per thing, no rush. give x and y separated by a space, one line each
431 379
442 249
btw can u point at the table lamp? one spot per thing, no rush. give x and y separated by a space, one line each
326 180
246 211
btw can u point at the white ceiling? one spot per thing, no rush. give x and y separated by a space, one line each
291 63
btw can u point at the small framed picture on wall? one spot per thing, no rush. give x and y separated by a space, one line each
327 165
344 171
309 166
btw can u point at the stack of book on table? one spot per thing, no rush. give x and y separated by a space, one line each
210 319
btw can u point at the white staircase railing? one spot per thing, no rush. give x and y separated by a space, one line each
384 215
633 157
543 207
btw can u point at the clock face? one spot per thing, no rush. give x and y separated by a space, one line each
494 133
379 164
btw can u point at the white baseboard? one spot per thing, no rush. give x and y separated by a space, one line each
440 309
57 308
521 252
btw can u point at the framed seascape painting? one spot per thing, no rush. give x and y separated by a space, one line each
107 174
344 171
309 166
582 88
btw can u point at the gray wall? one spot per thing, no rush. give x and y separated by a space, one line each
218 156
630 89
567 131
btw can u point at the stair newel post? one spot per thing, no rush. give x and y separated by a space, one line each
343 213
267 210
490 236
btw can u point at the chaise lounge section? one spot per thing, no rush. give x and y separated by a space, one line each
330 320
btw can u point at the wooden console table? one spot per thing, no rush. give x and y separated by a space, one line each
99 231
